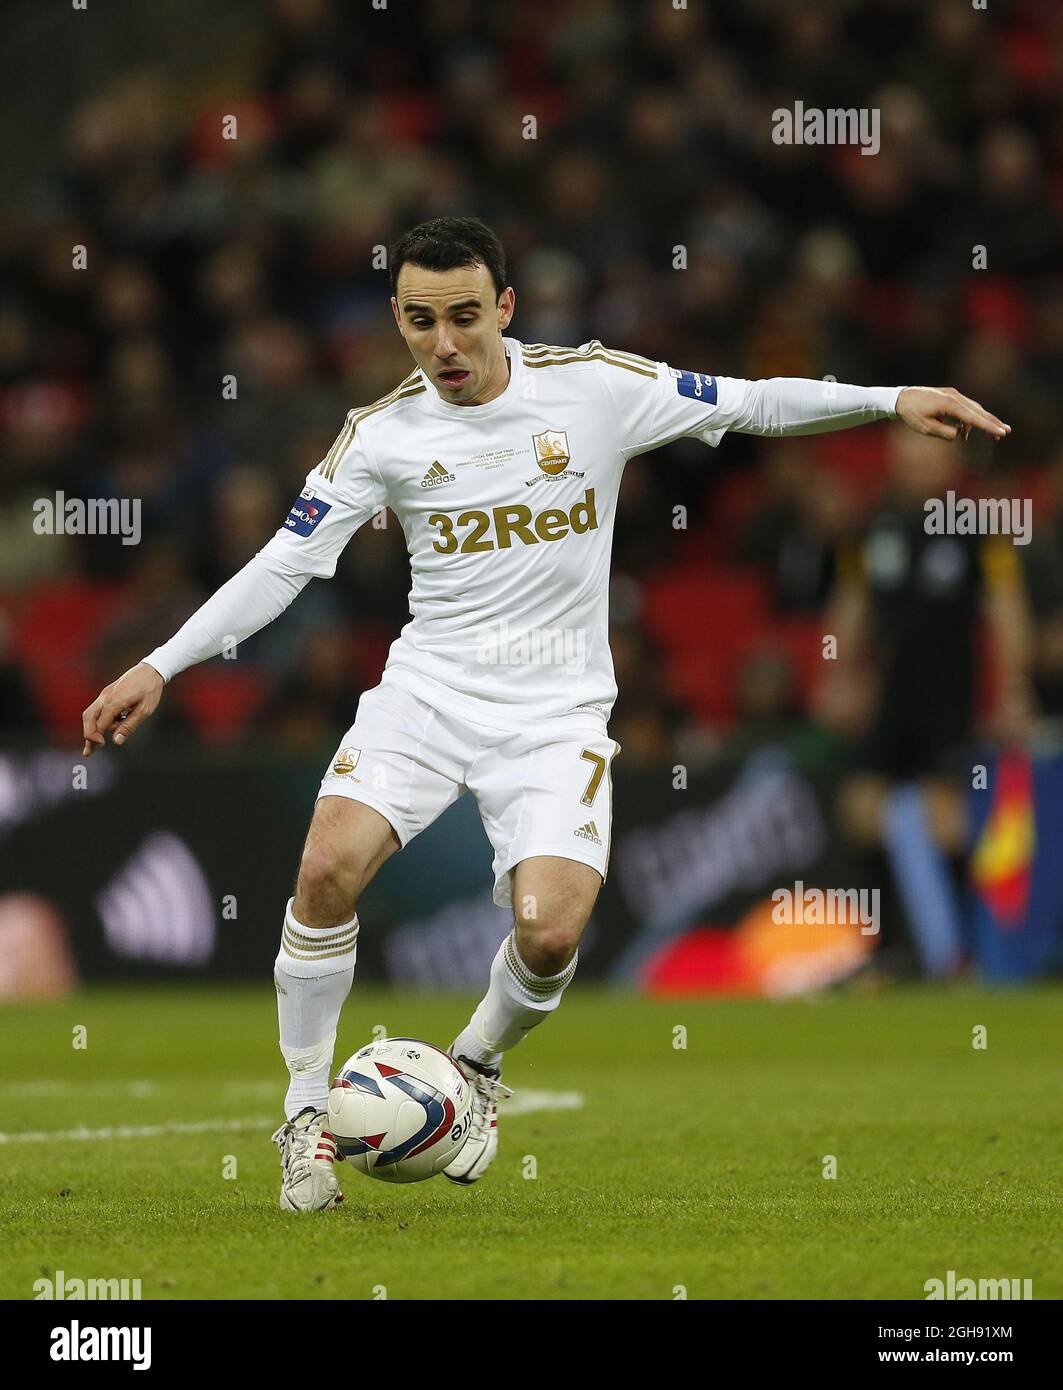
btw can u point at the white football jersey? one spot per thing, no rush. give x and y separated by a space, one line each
508 512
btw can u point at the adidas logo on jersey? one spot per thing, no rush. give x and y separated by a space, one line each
436 476
589 832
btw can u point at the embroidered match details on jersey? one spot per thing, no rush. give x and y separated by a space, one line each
508 511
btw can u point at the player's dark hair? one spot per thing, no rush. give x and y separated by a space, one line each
444 243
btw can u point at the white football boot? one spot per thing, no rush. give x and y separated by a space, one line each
308 1153
478 1152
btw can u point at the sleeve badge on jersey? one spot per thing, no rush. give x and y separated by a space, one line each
697 386
307 512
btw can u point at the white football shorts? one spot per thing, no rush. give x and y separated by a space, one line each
545 790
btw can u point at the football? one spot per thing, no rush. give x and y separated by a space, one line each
400 1110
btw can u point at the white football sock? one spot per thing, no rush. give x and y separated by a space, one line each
516 1002
313 974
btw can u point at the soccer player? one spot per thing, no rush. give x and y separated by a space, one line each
502 461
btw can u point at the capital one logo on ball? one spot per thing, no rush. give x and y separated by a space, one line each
400 1110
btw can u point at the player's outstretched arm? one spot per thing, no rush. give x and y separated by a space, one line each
653 404
779 406
132 698
943 412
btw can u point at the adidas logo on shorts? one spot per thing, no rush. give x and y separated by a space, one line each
436 476
589 832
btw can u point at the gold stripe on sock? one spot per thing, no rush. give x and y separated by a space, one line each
323 955
536 984
294 942
302 934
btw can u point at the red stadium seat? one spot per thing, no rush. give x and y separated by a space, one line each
704 620
803 639
861 456
686 607
54 630
220 699
370 650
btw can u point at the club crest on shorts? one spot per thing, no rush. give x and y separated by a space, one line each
551 451
346 762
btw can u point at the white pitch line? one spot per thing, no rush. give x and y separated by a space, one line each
39 1136
530 1102
524 1103
139 1090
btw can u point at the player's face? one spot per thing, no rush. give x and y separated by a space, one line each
453 322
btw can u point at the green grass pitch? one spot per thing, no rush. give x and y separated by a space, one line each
699 1167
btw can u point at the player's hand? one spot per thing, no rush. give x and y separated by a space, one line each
944 413
132 698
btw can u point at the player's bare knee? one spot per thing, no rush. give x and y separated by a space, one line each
547 945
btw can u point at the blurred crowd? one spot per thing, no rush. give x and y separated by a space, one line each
651 210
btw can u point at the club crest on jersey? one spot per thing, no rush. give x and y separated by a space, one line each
551 451
308 511
346 762
696 385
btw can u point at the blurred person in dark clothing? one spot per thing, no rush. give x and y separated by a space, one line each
160 592
767 704
645 719
910 606
18 705
242 510
1043 567
795 539
317 695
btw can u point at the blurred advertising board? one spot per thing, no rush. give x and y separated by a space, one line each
178 866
